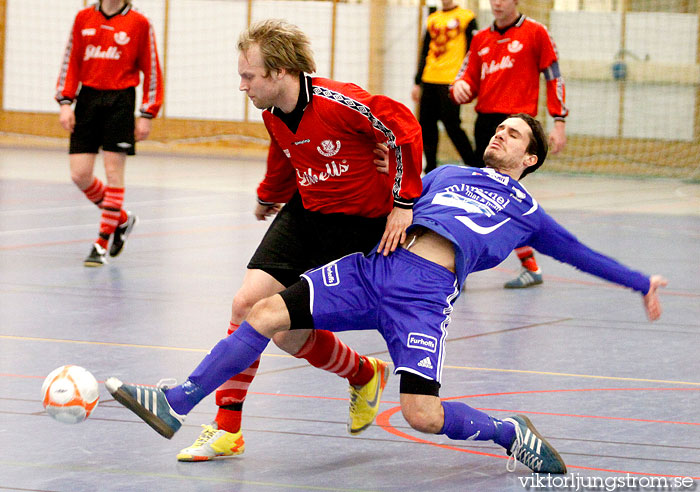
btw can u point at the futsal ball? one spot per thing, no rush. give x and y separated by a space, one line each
70 394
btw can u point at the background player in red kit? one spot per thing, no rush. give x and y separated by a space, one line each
109 45
502 69
323 135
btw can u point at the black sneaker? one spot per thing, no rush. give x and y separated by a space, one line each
121 233
97 257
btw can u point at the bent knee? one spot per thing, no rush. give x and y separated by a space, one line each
269 316
243 302
423 420
82 179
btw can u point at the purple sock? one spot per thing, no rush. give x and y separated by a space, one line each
230 356
466 423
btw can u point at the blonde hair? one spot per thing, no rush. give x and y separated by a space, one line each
282 45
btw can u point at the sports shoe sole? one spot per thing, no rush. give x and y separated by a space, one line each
184 458
532 284
114 386
382 385
532 428
93 264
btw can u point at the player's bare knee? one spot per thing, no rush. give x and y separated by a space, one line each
82 179
422 420
243 301
269 316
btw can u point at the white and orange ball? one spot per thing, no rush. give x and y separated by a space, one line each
70 394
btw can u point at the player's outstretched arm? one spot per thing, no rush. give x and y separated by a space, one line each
652 305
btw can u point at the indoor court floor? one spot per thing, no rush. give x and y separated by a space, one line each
616 395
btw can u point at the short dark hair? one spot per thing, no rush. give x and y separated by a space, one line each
538 145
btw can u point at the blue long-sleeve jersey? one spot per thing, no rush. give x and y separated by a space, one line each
487 214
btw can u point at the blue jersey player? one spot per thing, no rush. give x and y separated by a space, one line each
466 220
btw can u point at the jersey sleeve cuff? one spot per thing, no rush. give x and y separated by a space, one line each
264 203
148 116
403 203
65 101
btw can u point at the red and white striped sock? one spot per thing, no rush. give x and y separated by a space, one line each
326 351
527 257
231 395
111 213
95 192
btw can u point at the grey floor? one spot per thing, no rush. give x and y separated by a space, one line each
617 395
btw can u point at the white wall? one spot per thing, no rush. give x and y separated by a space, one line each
201 67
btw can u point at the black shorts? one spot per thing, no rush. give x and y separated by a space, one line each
104 119
299 240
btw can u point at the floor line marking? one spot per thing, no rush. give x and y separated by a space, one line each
467 368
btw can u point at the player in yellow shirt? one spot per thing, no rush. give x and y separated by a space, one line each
447 37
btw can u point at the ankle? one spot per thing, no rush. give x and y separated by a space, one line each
364 373
505 434
228 418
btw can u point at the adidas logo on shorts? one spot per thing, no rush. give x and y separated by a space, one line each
426 363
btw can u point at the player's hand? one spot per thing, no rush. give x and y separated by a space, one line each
415 93
557 137
382 160
461 92
67 117
652 305
395 232
262 212
142 129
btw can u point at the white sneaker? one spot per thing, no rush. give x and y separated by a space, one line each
211 443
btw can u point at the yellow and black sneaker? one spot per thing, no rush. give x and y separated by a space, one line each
364 400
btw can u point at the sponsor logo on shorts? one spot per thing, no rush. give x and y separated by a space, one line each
330 275
426 363
422 342
124 145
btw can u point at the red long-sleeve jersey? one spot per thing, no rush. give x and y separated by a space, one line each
107 53
503 69
329 158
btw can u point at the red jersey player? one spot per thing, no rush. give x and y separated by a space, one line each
502 69
323 135
109 45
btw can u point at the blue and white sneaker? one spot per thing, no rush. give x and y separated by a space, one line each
525 279
531 449
149 404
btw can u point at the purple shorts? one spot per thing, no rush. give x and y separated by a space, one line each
408 299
